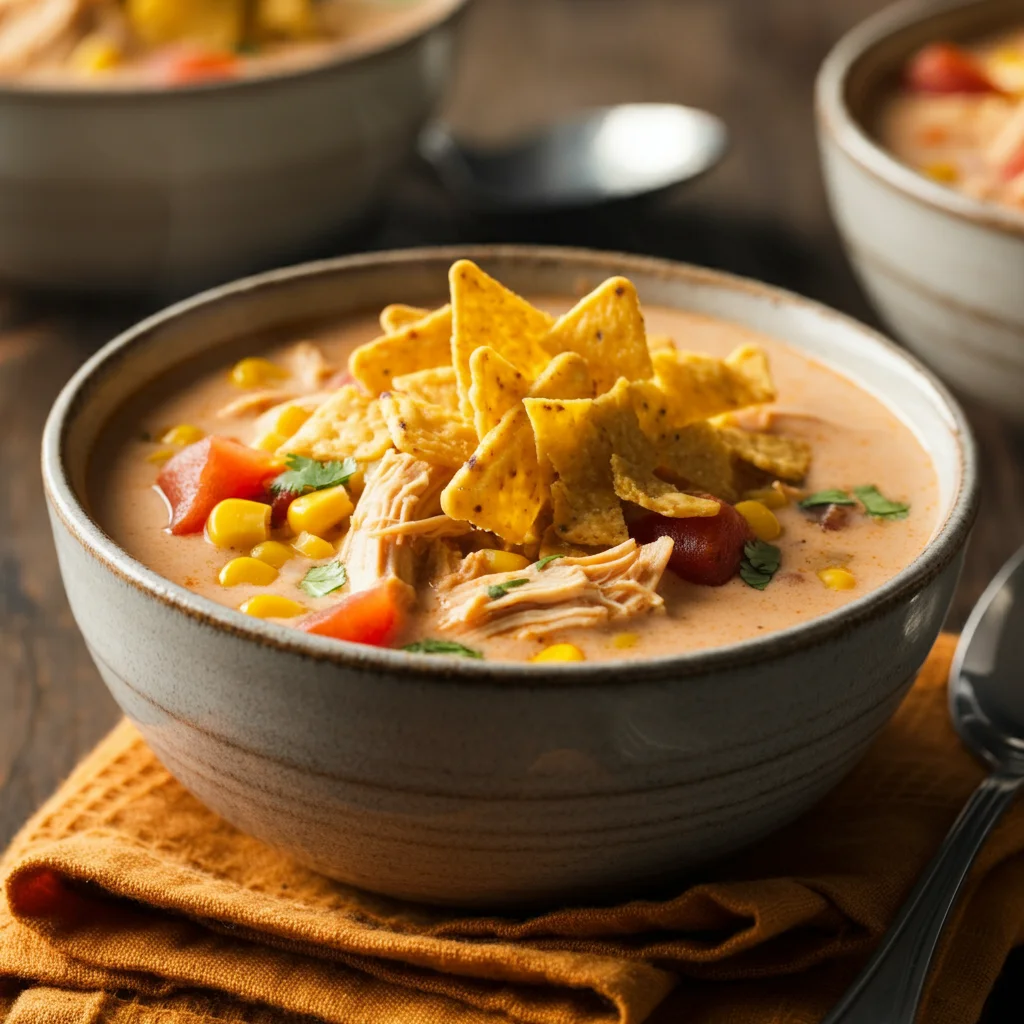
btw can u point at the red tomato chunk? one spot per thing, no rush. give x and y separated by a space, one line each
945 68
207 472
708 550
371 616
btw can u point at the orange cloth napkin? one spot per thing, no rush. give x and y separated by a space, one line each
127 901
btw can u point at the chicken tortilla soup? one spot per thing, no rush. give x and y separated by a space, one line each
521 480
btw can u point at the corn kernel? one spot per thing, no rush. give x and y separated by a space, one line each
95 54
311 546
771 497
237 523
836 578
291 418
942 171
560 652
255 372
272 606
182 435
270 441
320 511
503 561
760 519
623 641
160 456
247 570
273 552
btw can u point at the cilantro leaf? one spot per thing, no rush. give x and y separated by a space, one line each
833 497
878 506
429 646
546 560
760 563
322 580
497 590
304 475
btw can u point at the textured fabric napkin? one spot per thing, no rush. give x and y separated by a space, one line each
127 901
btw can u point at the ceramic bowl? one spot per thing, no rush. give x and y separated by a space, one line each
944 271
478 783
141 189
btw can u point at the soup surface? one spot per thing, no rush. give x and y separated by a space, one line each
182 42
959 118
485 522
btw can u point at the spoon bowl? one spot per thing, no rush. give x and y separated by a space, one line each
598 156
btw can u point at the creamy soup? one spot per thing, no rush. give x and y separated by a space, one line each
181 42
865 508
959 118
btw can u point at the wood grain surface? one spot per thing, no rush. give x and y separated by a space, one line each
762 213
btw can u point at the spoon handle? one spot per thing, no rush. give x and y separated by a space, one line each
889 988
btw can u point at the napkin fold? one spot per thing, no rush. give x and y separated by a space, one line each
128 902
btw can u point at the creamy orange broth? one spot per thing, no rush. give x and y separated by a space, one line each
856 440
973 142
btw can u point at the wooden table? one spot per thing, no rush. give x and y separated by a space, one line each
762 213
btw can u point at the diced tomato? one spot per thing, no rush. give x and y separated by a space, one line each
207 472
189 66
946 68
279 507
1014 166
371 616
708 550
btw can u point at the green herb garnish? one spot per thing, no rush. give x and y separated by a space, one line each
878 506
429 646
304 475
322 580
546 560
833 497
497 590
760 563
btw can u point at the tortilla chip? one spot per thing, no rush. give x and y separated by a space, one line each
396 316
689 387
696 458
659 342
504 487
607 328
426 431
485 312
348 423
436 386
421 345
639 485
787 458
496 386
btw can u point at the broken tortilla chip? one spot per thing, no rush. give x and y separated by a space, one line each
606 327
659 342
787 458
485 312
640 486
436 386
396 316
421 345
348 423
495 387
695 457
427 431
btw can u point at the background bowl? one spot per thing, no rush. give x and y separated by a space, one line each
945 271
495 783
139 189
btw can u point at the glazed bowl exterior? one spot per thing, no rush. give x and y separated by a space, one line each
480 783
150 189
945 271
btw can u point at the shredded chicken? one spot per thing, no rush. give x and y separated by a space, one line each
442 559
32 27
254 402
308 366
400 490
432 528
570 593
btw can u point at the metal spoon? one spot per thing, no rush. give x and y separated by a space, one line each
599 155
986 700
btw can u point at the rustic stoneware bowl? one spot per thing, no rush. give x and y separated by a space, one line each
482 783
945 271
111 189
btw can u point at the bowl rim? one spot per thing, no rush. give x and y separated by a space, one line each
936 557
836 120
447 12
